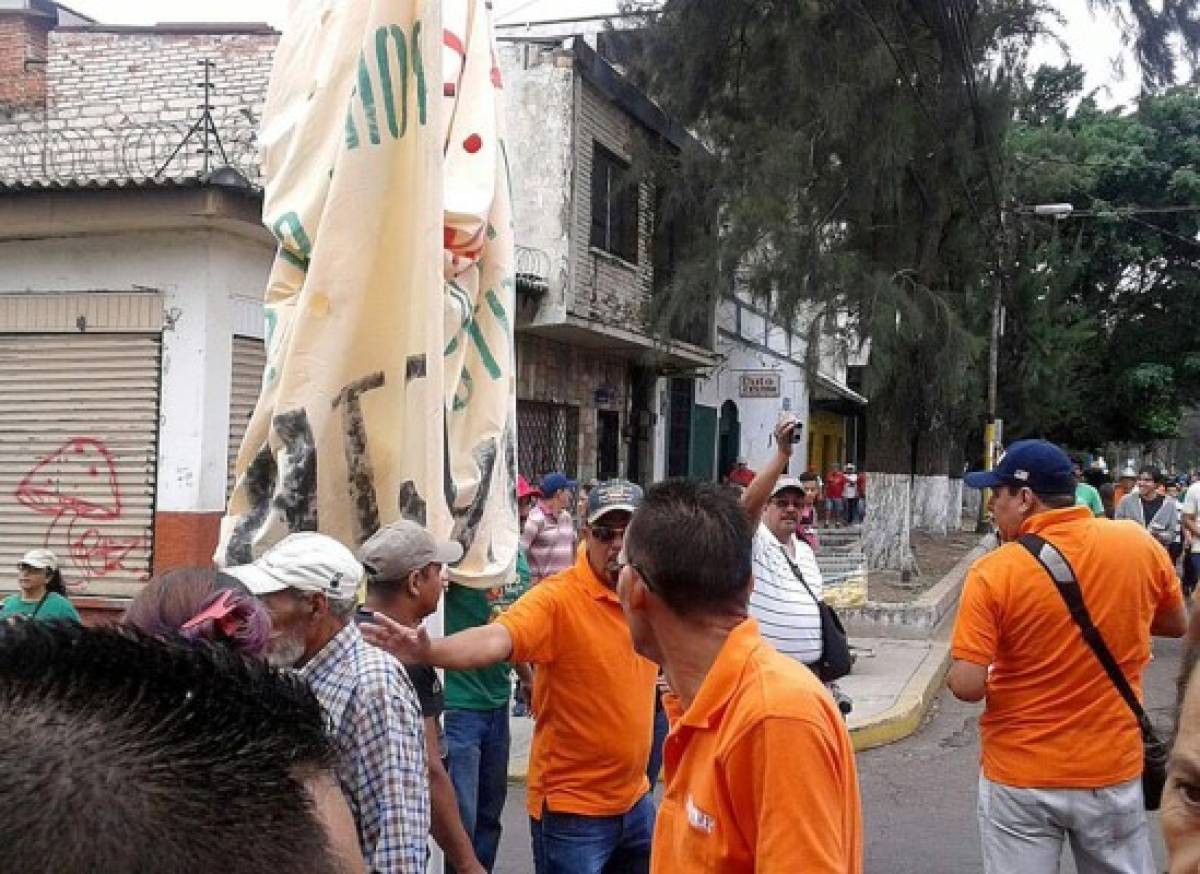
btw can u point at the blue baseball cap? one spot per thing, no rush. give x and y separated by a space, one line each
555 482
610 495
1034 464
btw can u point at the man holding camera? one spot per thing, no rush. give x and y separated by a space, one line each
787 581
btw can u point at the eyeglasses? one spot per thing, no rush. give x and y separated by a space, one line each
607 534
623 561
785 503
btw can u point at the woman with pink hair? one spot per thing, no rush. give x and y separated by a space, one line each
201 604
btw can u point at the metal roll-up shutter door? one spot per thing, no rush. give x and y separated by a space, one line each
249 362
78 449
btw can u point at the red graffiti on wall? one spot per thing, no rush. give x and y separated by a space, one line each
86 465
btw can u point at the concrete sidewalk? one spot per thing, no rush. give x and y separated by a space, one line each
893 684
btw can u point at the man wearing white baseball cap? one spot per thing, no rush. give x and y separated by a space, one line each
309 584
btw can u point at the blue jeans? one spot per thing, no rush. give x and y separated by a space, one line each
568 843
661 727
477 760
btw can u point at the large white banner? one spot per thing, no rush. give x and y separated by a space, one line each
390 381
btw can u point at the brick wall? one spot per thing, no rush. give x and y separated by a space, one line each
117 102
607 289
22 60
566 374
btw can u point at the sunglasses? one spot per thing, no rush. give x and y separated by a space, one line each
606 533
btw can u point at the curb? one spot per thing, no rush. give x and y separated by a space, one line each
894 724
904 717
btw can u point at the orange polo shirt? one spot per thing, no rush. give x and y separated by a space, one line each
760 773
593 696
1052 718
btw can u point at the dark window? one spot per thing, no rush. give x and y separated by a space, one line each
608 443
547 438
614 205
679 427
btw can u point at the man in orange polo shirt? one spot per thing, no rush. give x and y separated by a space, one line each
1061 750
760 773
588 798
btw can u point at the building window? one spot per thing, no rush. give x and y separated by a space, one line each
547 438
614 205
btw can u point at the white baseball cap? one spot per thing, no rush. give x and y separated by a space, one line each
786 482
40 558
305 561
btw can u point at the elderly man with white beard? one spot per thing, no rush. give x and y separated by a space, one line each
309 583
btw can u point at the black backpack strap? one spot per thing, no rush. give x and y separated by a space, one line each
799 576
1063 575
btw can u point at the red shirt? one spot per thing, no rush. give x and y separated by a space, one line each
835 482
741 476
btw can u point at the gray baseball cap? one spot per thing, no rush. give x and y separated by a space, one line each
398 549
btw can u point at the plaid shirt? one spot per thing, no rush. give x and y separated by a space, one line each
377 728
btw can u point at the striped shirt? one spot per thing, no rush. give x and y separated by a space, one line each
549 543
787 614
376 725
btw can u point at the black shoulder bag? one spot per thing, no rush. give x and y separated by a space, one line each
836 659
1154 750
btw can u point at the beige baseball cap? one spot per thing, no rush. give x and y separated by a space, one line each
305 561
398 549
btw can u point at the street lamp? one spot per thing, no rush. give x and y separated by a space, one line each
1054 210
993 428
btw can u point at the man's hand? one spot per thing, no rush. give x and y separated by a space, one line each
783 435
409 645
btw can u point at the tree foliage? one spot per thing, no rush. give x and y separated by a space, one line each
1104 344
853 156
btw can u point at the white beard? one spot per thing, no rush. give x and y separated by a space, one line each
285 651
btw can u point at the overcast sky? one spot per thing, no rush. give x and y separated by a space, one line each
1095 42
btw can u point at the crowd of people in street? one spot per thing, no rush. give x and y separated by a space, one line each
295 714
837 498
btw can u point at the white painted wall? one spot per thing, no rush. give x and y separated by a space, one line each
198 273
758 416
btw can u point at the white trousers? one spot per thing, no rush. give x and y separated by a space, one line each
1022 830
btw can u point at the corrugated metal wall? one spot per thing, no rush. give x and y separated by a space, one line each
249 360
78 442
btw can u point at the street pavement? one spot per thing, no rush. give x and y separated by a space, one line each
918 794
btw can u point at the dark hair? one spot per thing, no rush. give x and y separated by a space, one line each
703 522
55 583
155 755
807 477
1053 501
166 604
1154 473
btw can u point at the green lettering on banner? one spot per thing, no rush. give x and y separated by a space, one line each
459 297
419 71
367 95
351 129
485 354
270 320
291 234
497 309
385 77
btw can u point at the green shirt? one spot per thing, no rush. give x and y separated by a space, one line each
483 688
54 607
1087 496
